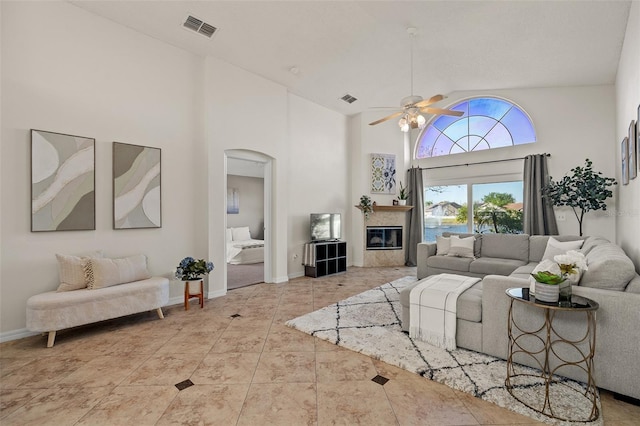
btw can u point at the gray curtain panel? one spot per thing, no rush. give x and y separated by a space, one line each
415 218
539 218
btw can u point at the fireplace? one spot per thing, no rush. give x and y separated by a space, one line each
384 238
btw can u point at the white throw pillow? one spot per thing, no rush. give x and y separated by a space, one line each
241 234
102 273
461 247
71 270
229 235
442 245
555 247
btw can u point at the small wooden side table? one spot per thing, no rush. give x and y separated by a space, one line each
549 339
191 290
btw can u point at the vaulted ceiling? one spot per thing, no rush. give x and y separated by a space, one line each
362 47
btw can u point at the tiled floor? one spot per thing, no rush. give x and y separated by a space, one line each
247 370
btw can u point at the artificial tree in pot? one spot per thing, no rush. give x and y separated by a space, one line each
583 190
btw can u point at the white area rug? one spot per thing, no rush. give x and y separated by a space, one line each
369 323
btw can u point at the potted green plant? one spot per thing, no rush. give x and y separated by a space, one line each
403 195
554 284
366 206
584 190
190 269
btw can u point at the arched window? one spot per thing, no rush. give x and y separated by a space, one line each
487 123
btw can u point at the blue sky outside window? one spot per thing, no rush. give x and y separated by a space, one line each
487 123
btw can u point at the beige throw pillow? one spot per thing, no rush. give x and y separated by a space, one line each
442 245
71 270
102 273
555 247
461 247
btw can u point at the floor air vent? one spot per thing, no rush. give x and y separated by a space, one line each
199 26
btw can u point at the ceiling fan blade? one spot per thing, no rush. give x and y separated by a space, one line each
440 111
388 117
431 100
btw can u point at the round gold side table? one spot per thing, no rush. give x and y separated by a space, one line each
544 342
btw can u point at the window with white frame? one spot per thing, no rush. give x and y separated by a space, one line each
487 123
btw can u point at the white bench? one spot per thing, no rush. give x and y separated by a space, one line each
52 311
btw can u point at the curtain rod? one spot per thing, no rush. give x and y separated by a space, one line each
479 162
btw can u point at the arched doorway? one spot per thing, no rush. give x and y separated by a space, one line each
251 164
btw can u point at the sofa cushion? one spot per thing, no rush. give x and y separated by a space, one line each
634 285
495 266
555 247
71 270
609 268
524 271
461 247
108 272
591 242
506 246
442 245
460 264
538 244
469 305
477 244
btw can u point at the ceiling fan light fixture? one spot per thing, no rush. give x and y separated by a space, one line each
421 121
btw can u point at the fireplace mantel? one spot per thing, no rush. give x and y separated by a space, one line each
377 208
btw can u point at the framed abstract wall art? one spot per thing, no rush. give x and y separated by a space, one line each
624 151
383 174
62 182
137 201
632 150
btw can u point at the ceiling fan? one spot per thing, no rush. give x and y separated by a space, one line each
413 105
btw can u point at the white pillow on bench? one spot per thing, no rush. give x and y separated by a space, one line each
71 270
102 273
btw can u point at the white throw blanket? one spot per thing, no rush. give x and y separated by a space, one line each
433 304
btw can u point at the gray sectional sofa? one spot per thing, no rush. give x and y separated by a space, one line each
504 261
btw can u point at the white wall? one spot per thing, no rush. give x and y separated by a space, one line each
318 180
571 123
66 70
228 91
627 101
251 195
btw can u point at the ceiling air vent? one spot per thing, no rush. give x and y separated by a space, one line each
199 26
349 99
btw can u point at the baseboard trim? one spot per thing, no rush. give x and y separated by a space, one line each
7 336
296 275
217 293
281 279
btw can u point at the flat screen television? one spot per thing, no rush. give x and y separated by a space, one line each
325 226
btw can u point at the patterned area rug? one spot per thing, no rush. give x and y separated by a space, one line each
369 323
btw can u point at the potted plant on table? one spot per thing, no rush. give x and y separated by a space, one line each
190 269
554 283
403 195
